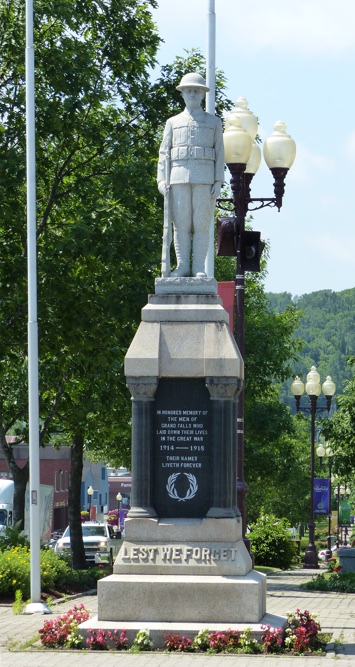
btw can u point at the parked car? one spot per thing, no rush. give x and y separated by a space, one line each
321 553
101 543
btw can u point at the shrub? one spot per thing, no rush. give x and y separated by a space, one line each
120 640
63 630
271 543
143 641
223 642
302 632
54 571
201 640
248 644
340 582
112 517
83 580
15 573
174 642
99 639
272 639
13 537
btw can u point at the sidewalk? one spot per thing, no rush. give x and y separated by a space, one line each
336 614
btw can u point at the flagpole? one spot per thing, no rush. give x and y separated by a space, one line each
211 104
35 606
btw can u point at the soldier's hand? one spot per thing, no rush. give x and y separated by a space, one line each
216 189
162 187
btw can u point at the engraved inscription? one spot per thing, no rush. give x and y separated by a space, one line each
173 554
182 448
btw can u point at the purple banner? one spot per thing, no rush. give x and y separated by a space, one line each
321 496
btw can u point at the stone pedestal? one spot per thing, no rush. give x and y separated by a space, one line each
347 559
183 565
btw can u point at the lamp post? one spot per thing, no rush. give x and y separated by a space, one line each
243 157
119 499
90 493
313 390
337 496
328 452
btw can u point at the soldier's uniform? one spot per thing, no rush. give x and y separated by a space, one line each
194 141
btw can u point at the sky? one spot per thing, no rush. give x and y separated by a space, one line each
293 61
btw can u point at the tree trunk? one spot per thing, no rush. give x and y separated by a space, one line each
76 470
20 477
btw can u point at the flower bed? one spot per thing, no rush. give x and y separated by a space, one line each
301 636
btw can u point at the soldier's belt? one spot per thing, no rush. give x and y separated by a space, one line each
196 152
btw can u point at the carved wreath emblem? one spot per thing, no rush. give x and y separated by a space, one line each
190 493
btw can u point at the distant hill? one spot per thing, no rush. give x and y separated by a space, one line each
328 330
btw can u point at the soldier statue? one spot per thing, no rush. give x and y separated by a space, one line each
190 176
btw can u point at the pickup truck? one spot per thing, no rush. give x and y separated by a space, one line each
101 543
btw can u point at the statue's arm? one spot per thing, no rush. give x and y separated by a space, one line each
164 152
219 160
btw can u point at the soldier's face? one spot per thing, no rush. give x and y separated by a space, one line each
193 97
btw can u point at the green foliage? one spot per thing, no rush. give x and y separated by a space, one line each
340 582
83 580
18 605
339 430
13 537
271 543
143 641
96 142
64 630
15 571
55 572
327 330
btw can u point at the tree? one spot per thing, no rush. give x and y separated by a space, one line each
339 430
327 331
270 441
99 228
91 91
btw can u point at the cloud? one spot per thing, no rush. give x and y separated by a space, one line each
350 145
306 27
308 164
335 248
301 27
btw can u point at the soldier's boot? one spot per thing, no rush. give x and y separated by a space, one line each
182 244
200 249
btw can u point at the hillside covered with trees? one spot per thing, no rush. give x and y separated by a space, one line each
327 329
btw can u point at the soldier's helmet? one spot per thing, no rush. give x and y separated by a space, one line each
193 80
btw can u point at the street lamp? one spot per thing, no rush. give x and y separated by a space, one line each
327 452
119 499
90 493
313 390
243 157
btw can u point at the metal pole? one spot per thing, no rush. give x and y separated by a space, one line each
210 106
311 555
240 207
328 553
34 485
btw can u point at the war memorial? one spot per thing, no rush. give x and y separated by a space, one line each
183 565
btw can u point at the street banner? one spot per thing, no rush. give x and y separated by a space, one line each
344 512
334 524
321 496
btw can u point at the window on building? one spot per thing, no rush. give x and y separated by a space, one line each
57 476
